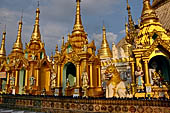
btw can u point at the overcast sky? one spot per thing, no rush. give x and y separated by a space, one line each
57 19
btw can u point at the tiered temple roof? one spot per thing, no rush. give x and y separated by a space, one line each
163 11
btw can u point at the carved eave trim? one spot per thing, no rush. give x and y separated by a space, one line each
92 45
25 61
3 66
44 60
156 43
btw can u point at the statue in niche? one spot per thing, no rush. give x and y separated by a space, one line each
139 79
53 80
32 81
157 78
72 80
12 81
152 70
85 81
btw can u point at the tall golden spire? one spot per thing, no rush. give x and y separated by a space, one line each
56 49
105 51
148 14
62 46
130 20
18 44
36 36
2 49
131 32
78 27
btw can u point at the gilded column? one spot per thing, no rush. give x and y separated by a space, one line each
147 81
58 77
7 78
133 77
26 78
133 71
78 75
146 72
99 77
91 75
37 79
16 78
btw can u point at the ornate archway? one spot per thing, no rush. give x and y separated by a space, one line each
162 64
21 80
69 74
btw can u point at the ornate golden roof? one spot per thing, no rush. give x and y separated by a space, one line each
78 27
78 38
105 51
36 36
2 49
149 25
18 47
148 14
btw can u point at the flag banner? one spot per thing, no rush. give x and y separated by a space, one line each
2 74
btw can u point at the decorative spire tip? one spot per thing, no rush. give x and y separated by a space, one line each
38 4
78 0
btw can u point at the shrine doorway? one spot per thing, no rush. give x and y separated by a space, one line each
21 80
69 74
161 64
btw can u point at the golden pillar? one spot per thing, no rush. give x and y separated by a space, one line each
91 75
146 72
59 76
8 82
16 81
16 78
99 77
147 81
26 78
7 78
37 81
78 75
133 77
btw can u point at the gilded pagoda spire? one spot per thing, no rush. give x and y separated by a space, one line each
78 27
36 36
131 32
2 49
105 51
130 20
56 49
148 14
18 44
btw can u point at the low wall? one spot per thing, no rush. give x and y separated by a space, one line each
73 105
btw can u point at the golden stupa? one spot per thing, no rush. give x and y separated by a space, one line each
104 52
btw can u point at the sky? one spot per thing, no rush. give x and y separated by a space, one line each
57 18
